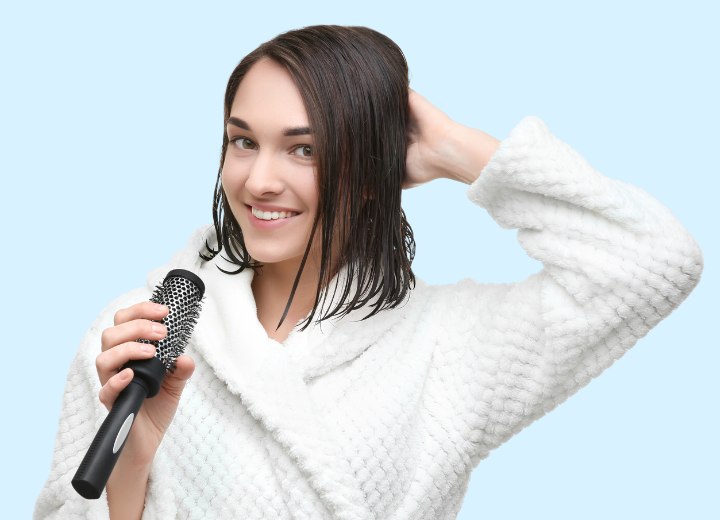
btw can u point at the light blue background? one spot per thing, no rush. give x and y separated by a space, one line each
110 127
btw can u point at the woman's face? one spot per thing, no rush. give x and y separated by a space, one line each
268 171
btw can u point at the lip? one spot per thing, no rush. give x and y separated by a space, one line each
268 224
270 207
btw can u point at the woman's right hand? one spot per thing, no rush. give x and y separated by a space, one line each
119 345
442 148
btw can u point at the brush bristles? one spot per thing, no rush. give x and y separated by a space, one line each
183 298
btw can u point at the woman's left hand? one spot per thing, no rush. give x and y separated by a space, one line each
441 148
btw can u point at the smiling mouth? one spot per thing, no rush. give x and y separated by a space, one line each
272 215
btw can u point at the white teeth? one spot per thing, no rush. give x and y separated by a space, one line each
272 215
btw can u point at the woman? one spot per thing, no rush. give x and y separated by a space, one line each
325 382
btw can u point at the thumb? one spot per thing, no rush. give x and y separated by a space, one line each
174 381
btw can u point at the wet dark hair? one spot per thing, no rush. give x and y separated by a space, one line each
354 84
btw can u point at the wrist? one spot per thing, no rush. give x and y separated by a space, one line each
126 491
467 152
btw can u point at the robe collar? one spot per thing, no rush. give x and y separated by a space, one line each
272 378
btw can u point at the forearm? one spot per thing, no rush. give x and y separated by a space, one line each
465 153
126 489
616 261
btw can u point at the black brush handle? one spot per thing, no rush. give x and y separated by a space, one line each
182 292
94 471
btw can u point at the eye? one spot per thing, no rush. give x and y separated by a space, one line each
304 150
243 143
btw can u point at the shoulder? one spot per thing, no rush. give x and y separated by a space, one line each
457 293
470 307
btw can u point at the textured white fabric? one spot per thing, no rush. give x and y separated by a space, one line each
386 418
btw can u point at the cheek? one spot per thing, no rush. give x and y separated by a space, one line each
232 183
232 177
310 194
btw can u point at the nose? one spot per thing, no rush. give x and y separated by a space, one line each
265 177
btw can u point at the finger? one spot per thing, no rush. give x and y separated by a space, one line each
132 331
109 362
112 388
146 310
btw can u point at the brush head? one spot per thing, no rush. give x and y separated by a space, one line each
182 292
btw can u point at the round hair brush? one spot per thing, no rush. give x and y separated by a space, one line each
181 292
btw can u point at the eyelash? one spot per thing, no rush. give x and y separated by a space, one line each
240 138
300 147
254 146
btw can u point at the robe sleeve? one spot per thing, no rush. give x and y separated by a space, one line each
80 418
615 263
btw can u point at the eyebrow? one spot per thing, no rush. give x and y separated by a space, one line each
288 132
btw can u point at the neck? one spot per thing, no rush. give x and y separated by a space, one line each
272 285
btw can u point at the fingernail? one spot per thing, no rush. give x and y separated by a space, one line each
125 374
147 348
160 307
158 328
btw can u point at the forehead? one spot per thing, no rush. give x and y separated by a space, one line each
268 96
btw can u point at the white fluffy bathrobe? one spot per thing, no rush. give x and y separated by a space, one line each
386 418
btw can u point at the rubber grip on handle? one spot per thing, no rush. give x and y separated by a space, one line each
100 459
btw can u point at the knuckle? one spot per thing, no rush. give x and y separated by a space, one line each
119 316
104 365
105 338
102 396
100 363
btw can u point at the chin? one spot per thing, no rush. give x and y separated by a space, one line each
273 255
